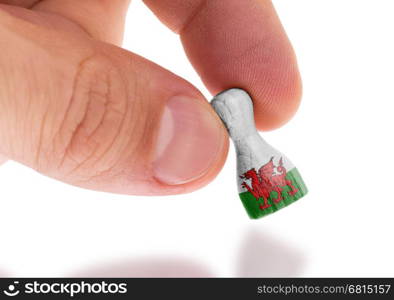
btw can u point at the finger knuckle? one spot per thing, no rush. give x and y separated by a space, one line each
89 135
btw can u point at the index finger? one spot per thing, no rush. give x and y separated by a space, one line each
240 44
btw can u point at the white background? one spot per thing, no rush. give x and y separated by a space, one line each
341 140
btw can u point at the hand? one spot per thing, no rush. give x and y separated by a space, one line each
76 107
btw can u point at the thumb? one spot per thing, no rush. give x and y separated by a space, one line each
96 116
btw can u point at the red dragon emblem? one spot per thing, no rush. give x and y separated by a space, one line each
264 181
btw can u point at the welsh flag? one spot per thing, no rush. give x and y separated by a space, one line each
270 188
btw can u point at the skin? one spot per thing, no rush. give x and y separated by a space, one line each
61 67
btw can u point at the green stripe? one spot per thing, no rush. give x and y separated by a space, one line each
252 205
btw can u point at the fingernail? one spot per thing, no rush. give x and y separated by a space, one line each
189 141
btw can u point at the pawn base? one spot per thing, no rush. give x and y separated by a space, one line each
289 194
